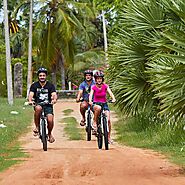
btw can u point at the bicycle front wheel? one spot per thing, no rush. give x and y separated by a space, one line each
44 135
99 137
88 129
105 133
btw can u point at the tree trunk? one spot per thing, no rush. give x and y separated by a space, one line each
104 35
62 71
8 57
29 77
53 76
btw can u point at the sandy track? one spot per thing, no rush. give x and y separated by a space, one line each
81 163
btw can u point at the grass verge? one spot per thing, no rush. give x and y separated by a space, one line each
67 112
71 128
158 137
16 123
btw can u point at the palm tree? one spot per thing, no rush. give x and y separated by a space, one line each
59 26
8 57
29 77
147 58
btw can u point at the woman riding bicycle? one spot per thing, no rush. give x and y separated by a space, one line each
98 95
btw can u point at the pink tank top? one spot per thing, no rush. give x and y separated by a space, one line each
100 93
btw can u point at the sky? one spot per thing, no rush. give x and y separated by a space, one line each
1 16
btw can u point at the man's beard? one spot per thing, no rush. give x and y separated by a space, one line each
42 80
88 80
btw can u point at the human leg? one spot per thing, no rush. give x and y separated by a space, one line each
83 108
107 112
50 120
96 110
38 110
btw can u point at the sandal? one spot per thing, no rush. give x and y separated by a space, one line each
111 141
35 132
51 139
94 130
82 123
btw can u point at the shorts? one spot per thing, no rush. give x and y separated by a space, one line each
48 109
105 106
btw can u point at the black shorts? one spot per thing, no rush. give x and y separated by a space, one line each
48 109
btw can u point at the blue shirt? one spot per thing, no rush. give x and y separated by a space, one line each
86 89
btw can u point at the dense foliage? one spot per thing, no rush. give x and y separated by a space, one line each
147 58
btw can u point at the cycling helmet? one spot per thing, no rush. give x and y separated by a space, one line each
42 70
99 74
88 72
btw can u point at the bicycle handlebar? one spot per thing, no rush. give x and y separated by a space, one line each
40 103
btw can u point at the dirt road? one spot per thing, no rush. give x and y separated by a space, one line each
81 163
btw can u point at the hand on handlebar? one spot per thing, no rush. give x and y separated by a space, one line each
90 103
31 103
79 100
53 101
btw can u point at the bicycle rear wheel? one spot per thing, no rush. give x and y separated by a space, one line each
99 137
88 129
105 133
44 135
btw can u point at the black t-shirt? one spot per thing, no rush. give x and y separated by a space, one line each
42 94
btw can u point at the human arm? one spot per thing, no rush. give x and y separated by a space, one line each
30 98
53 94
53 97
111 94
31 94
79 95
91 96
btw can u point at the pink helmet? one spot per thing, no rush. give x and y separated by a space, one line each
99 74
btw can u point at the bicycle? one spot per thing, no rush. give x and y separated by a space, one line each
42 132
102 128
88 123
88 126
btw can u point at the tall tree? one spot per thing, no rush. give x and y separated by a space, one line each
8 57
60 23
29 77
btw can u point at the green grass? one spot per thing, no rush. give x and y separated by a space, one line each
71 128
67 112
151 134
16 125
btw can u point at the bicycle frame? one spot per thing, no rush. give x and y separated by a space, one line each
43 126
102 128
88 123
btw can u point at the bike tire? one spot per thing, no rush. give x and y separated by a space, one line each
105 133
44 135
99 137
88 129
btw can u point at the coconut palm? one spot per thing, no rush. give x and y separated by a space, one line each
8 57
29 77
61 22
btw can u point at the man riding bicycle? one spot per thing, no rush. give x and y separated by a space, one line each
43 91
98 95
84 90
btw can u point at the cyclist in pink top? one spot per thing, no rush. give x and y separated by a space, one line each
98 95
